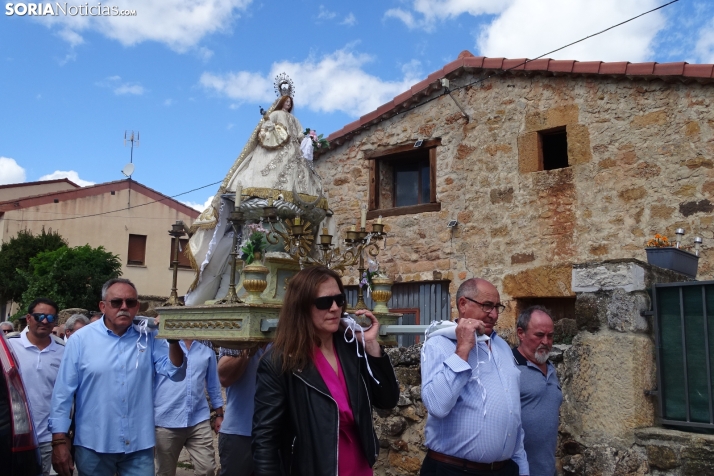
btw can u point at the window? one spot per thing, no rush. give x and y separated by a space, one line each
403 180
137 250
554 147
183 261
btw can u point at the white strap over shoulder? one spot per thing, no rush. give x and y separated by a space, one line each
352 326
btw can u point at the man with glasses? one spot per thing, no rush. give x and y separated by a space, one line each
39 357
6 327
109 367
470 387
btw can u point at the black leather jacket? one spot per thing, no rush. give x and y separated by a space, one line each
295 422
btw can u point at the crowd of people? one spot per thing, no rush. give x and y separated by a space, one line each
109 398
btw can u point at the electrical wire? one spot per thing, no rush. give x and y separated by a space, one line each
118 209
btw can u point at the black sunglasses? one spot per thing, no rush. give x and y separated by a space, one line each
116 303
325 302
39 317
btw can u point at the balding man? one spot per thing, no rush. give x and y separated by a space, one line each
540 390
470 389
6 327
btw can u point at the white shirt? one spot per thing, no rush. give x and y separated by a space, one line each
38 369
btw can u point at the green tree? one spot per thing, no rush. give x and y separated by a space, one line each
72 277
15 256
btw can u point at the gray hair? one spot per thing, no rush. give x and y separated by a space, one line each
7 324
74 319
470 287
114 281
524 318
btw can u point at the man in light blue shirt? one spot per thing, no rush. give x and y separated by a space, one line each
108 369
541 395
39 357
182 416
470 389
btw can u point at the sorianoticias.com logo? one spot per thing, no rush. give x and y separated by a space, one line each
65 9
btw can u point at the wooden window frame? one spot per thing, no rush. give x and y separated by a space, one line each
129 254
382 155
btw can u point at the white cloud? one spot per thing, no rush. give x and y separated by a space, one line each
334 82
430 11
69 174
115 83
129 88
10 171
179 24
71 37
198 206
350 20
530 28
519 31
705 43
168 102
325 14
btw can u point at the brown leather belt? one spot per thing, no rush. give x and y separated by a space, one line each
464 463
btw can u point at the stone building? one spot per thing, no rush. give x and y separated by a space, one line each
125 217
556 173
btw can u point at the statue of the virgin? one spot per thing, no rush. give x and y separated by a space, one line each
272 166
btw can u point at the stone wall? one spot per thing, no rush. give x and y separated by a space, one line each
608 424
641 161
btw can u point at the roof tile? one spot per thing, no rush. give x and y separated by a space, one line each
474 62
640 69
619 67
516 64
587 67
698 70
492 63
421 85
561 66
454 65
538 65
667 69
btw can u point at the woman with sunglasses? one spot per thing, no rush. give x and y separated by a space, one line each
317 384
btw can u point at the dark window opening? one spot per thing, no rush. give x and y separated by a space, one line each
183 261
560 308
411 179
554 144
137 250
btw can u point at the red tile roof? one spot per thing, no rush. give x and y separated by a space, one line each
93 190
681 71
40 182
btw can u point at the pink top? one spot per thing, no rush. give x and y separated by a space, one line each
350 456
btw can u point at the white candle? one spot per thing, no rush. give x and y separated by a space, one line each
379 220
363 217
239 191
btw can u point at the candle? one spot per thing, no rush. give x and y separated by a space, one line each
239 190
363 216
297 220
353 228
379 220
324 231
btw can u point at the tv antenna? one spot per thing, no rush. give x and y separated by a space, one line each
133 139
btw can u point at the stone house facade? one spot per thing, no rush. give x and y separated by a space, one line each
556 174
639 160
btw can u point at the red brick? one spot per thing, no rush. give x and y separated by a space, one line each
698 70
587 67
640 68
561 66
668 69
614 67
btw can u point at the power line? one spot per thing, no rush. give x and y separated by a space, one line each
480 80
118 209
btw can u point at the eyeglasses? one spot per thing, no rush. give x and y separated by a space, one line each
7 331
325 302
488 307
116 303
39 317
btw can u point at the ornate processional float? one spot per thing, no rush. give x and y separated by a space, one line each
249 242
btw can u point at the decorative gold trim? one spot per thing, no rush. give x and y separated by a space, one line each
175 324
273 193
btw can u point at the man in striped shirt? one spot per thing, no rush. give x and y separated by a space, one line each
470 387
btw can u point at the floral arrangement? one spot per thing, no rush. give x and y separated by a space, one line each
318 142
371 271
659 241
255 243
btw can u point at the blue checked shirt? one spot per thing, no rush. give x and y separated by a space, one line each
183 404
474 408
111 383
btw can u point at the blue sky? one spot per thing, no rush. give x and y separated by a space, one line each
191 75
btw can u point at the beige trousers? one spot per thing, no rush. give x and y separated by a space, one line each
197 439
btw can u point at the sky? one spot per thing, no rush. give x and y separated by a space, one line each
191 75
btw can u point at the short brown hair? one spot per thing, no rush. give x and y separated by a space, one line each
295 337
